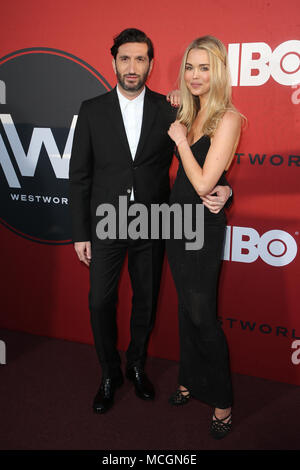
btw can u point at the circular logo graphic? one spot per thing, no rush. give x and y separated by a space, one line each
277 248
41 90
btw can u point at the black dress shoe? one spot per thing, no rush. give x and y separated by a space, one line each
104 399
143 387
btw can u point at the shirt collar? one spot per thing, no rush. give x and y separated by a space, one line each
124 101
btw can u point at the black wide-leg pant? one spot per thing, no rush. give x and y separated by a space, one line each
204 360
145 259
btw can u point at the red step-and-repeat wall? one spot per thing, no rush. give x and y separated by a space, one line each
54 55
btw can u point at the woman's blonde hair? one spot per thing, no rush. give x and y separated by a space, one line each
219 96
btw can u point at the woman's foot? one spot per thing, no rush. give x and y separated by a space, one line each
180 397
221 423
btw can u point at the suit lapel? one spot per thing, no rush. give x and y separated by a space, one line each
149 113
115 115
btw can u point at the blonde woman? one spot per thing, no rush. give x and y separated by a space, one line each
206 134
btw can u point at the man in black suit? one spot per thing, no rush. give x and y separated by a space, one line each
121 148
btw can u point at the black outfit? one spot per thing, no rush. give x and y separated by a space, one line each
204 361
101 170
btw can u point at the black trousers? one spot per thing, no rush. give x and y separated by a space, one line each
204 367
145 259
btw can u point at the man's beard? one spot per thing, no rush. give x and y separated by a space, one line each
140 83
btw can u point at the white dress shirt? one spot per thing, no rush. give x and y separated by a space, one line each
132 114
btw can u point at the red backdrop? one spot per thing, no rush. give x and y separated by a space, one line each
45 288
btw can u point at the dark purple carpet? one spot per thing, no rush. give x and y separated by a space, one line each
47 388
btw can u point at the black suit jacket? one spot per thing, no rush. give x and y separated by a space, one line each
101 166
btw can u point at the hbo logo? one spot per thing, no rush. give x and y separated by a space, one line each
283 63
274 247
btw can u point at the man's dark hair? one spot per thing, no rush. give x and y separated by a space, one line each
132 35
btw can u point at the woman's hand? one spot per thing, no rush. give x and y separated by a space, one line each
177 132
174 98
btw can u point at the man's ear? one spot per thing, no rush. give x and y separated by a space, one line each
151 66
114 65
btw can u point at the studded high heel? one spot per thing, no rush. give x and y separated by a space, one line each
179 398
219 428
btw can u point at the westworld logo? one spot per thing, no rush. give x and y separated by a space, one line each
41 90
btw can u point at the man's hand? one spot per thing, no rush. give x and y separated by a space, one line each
84 252
216 203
